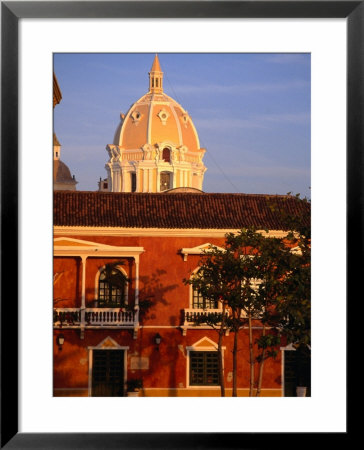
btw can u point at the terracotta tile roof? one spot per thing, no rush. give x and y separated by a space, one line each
181 210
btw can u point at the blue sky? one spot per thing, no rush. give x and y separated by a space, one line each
251 111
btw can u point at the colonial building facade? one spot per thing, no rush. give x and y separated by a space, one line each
156 241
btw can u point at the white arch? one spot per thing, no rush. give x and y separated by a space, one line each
122 270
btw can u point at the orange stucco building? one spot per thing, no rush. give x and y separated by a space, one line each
156 241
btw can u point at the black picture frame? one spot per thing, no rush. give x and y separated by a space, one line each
11 12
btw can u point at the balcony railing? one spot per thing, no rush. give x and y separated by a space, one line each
108 317
67 317
197 316
93 318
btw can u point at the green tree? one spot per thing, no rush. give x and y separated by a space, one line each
234 277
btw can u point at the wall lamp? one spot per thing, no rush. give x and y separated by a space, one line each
60 341
157 340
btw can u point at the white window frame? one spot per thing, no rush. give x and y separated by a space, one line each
219 305
206 348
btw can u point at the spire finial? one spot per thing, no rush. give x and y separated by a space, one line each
156 76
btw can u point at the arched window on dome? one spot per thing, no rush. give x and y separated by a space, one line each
166 155
165 181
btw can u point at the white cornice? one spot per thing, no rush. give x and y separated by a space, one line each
79 247
154 232
199 250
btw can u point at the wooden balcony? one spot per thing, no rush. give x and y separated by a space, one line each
89 318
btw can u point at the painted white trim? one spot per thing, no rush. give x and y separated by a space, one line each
88 248
194 348
282 371
164 232
116 346
84 243
173 101
205 338
288 347
83 286
212 387
199 250
156 327
90 364
178 124
296 250
190 303
126 118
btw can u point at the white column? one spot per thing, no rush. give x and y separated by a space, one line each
83 297
136 280
118 181
90 364
145 184
200 177
158 181
123 176
83 291
114 181
136 304
137 175
111 187
151 176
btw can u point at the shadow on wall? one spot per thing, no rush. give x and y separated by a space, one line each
152 293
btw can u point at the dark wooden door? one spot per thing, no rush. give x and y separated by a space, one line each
297 372
108 373
290 374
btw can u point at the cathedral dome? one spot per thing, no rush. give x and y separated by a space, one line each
156 118
156 146
62 178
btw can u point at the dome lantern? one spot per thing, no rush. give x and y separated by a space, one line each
156 77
